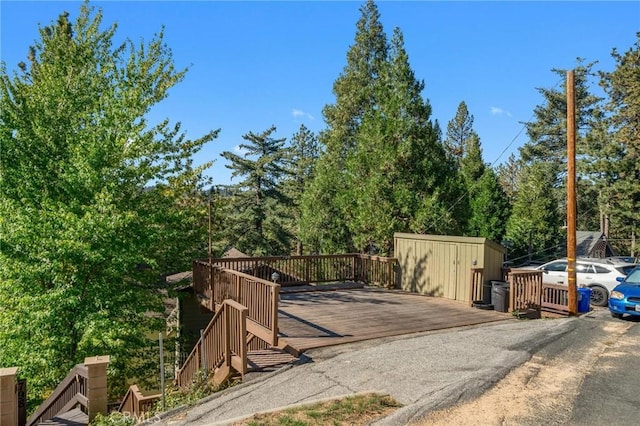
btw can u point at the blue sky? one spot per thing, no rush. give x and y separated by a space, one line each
257 64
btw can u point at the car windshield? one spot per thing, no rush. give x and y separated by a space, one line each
633 277
560 266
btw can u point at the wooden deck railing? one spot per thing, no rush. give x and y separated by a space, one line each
295 270
476 287
260 296
376 270
136 404
555 298
531 293
222 347
525 290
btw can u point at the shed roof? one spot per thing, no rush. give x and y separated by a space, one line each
452 239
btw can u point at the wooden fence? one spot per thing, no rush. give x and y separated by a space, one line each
527 291
221 348
376 270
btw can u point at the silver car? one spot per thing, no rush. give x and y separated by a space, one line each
600 275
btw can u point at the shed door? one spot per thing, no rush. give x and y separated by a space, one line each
447 260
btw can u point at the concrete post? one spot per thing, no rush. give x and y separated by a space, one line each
96 385
8 397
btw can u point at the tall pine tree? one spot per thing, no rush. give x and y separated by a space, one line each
326 207
255 224
300 162
459 131
384 168
622 162
548 136
486 208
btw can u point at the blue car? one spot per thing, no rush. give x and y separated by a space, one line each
625 298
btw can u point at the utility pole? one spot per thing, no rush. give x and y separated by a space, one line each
571 193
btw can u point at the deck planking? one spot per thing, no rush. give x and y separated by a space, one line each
317 319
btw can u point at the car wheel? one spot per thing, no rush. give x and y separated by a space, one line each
619 316
599 296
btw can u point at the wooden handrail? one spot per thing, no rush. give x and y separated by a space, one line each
75 383
222 345
261 297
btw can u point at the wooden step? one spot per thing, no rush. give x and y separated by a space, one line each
74 417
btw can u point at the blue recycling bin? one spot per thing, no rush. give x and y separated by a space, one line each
584 299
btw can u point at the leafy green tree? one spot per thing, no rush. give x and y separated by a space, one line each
89 191
621 192
255 223
303 153
490 208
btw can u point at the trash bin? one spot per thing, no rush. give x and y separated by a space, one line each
500 296
494 286
584 299
486 293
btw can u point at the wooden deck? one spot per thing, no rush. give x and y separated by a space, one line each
310 320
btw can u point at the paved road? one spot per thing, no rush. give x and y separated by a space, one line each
439 370
422 372
587 376
609 393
